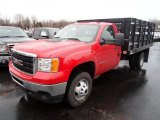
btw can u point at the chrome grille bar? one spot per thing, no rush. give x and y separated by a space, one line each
23 61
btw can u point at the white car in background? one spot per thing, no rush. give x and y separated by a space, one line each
156 35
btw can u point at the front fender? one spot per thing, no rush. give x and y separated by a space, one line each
77 58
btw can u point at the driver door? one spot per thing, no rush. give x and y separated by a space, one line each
109 54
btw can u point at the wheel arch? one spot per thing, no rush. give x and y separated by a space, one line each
86 67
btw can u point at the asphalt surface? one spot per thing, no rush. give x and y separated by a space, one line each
121 94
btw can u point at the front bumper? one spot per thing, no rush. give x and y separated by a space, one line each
4 59
42 92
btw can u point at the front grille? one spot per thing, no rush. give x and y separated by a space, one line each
23 63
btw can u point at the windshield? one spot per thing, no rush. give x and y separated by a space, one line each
80 32
11 32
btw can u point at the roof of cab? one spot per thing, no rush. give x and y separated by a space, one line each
46 28
95 23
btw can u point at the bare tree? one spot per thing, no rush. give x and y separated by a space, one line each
33 21
7 22
26 23
19 20
39 24
1 21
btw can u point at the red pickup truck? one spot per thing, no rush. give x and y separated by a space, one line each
65 66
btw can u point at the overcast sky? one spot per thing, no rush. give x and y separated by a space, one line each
81 9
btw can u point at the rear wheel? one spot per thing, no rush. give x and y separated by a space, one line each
136 61
140 60
79 89
132 61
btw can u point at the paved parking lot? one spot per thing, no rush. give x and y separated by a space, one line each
121 94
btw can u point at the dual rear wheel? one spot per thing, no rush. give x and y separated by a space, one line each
136 61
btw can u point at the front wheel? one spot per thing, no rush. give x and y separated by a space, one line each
79 89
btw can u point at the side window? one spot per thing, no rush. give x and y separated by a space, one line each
43 33
36 32
108 33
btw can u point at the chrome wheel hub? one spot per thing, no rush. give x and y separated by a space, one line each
81 89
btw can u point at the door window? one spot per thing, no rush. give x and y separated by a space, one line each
108 33
43 33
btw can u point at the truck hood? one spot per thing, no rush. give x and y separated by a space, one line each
46 48
14 40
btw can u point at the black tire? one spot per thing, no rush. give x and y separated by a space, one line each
140 60
76 85
132 61
30 98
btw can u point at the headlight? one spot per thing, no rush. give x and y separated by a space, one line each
48 65
3 49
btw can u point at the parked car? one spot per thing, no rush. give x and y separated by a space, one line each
65 67
10 36
156 35
30 32
43 33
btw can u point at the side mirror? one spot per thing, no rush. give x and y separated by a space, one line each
119 36
55 33
119 40
44 34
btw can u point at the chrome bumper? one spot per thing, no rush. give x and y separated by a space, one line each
53 90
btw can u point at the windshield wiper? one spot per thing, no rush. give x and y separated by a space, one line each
56 37
69 39
73 39
11 36
4 36
19 36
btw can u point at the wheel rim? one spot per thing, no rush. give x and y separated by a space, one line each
81 89
142 60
